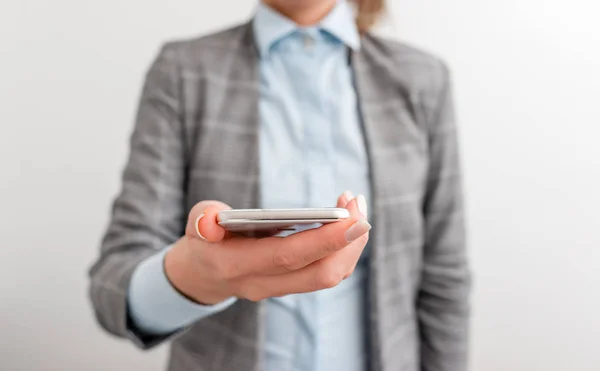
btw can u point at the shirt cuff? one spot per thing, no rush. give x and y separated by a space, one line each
155 307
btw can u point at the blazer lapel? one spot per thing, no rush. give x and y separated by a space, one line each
397 150
226 163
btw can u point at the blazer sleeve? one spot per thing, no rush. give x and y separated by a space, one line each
443 299
148 214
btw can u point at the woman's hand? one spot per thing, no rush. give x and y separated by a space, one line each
209 265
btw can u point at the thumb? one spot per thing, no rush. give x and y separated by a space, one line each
202 221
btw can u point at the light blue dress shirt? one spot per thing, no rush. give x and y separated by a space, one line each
311 150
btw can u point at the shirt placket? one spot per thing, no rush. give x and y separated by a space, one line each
319 171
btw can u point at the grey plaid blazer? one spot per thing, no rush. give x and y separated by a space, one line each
196 138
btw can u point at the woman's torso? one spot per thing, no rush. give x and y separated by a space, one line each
221 95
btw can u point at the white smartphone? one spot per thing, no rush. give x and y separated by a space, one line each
250 220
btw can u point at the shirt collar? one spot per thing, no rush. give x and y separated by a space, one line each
340 23
269 26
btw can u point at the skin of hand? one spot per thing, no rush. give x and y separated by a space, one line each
209 265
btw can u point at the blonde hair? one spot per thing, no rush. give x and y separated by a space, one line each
368 13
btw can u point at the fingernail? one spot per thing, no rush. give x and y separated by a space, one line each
198 227
357 229
348 196
362 205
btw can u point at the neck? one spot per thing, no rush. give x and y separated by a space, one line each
303 13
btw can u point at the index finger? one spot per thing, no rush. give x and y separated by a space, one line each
304 248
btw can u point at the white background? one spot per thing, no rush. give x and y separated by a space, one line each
527 79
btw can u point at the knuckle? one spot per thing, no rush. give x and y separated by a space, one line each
252 293
328 277
286 260
254 296
331 245
350 271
